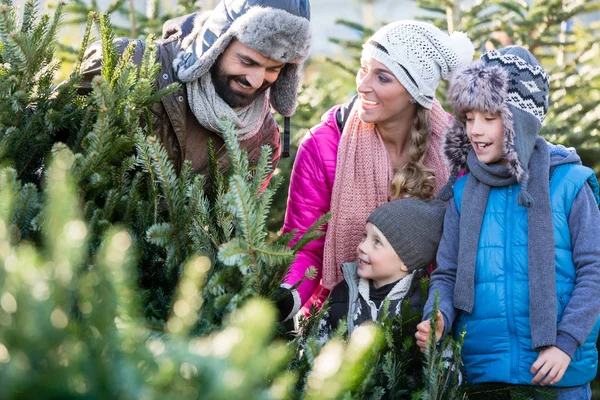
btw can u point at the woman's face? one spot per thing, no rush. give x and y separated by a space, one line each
383 98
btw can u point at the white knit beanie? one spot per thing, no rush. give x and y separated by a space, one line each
419 54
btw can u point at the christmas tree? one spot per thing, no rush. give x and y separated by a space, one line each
121 278
93 210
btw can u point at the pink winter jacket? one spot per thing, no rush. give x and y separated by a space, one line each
309 198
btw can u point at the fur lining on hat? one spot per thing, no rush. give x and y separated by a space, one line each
283 92
274 33
483 88
479 87
456 145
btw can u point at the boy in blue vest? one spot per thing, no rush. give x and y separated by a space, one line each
519 258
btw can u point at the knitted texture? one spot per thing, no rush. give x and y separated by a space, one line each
527 99
413 227
213 113
419 55
362 183
366 310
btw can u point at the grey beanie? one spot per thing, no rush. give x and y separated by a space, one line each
509 82
278 29
413 227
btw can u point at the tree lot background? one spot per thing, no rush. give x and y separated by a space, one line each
561 33
552 30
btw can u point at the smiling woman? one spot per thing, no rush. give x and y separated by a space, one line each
384 144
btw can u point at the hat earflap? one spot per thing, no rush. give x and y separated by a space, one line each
512 157
456 147
283 91
508 144
189 68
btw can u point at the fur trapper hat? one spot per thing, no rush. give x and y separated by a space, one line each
419 54
508 82
278 29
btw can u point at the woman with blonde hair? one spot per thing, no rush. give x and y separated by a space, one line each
384 144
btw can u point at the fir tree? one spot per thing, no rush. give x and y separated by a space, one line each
70 318
69 330
121 278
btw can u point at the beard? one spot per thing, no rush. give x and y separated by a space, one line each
222 82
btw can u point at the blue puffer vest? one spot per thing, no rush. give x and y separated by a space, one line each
497 345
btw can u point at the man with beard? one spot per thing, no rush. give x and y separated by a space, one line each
233 62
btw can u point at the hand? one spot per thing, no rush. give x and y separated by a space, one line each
285 303
424 330
550 365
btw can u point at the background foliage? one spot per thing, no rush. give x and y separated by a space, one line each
562 34
121 279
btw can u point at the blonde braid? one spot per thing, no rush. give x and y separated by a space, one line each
413 179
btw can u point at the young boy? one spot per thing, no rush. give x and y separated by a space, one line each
400 241
519 259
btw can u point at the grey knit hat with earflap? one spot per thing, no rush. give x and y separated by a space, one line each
419 54
277 29
413 227
508 82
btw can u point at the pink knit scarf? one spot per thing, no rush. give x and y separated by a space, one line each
362 183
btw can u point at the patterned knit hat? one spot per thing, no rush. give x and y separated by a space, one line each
277 29
413 227
509 82
419 54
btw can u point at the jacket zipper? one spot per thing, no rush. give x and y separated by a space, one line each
508 267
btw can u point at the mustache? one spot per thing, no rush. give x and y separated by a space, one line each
244 81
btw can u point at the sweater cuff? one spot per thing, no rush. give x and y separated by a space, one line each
447 326
566 343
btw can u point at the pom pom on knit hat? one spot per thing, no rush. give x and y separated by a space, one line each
413 227
419 55
465 50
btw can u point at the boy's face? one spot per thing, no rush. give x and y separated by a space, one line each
486 134
377 259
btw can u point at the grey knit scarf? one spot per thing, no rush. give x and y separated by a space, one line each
213 113
542 275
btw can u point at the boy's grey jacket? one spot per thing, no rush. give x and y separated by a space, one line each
583 309
347 300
